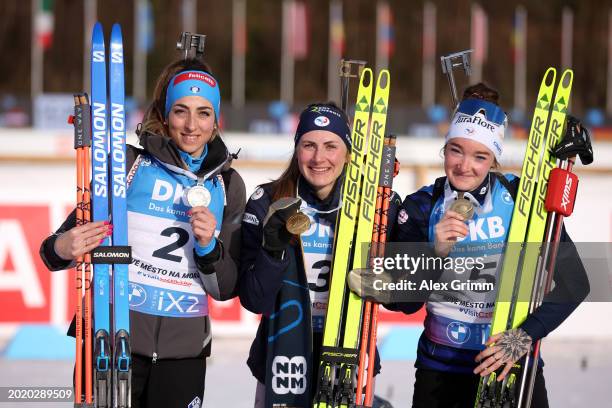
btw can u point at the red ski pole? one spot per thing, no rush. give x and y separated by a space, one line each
560 199
367 347
82 143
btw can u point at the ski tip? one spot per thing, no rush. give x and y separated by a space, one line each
549 77
384 79
366 77
116 32
97 33
566 79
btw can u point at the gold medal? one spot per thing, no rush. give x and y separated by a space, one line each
298 223
463 206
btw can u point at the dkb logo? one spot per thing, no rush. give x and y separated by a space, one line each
289 375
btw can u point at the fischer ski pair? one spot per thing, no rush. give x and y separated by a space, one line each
111 351
340 350
526 258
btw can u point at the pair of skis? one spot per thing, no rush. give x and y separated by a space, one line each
528 264
340 350
111 360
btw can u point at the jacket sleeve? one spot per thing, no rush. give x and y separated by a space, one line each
570 289
52 261
261 275
219 268
47 252
411 227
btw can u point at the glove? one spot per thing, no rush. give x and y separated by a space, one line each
361 282
275 235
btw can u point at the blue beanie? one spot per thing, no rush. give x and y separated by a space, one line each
324 117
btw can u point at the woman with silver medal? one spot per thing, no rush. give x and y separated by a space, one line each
460 214
287 246
183 199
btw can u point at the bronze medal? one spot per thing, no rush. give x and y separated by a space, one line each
463 206
298 223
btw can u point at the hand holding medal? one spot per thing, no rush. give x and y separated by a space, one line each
298 223
463 207
198 196
203 224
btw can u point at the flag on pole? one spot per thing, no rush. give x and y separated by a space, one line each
609 95
145 26
478 40
239 36
335 50
239 46
479 34
429 54
336 29
44 23
519 36
567 37
386 34
298 41
519 58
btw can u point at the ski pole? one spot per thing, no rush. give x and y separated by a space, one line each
560 199
379 237
82 143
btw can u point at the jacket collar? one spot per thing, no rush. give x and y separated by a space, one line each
166 151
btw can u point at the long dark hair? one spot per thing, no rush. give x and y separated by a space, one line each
153 120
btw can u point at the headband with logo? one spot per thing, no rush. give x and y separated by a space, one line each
193 83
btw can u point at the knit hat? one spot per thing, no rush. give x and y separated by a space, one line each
481 121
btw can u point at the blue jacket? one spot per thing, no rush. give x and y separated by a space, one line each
571 285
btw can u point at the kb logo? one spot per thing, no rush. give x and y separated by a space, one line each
289 375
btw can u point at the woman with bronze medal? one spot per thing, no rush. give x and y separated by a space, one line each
460 214
184 207
287 246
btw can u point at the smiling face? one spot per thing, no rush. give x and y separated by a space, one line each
321 156
467 163
191 122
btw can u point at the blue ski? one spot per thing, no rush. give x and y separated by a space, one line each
99 186
122 355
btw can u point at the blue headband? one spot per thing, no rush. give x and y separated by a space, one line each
324 117
193 83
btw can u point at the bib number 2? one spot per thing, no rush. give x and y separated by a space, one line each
165 252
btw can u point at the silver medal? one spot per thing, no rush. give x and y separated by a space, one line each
198 196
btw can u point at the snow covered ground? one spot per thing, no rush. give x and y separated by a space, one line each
576 372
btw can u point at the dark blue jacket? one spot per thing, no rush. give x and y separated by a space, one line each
262 275
571 286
